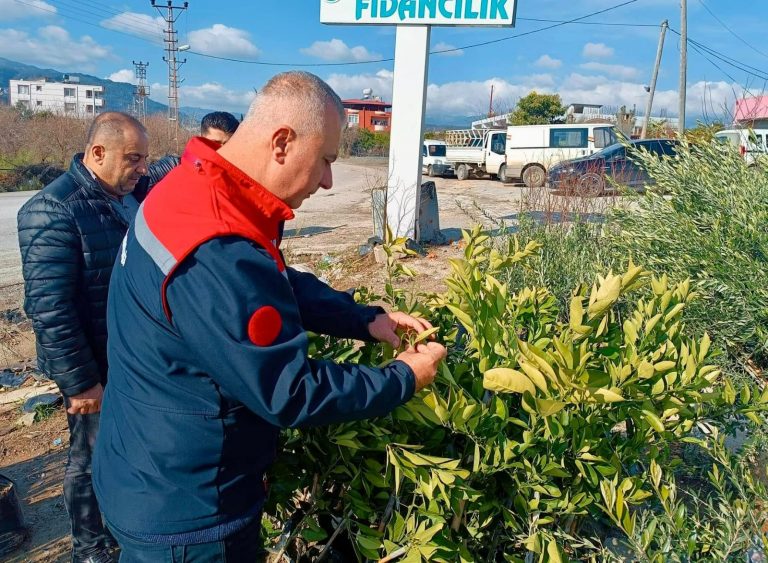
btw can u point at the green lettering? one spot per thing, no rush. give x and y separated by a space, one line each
499 9
407 8
388 11
468 13
483 9
359 7
427 4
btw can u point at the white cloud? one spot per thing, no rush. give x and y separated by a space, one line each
545 61
352 85
451 50
13 10
223 41
468 98
617 71
123 75
137 24
337 50
597 51
210 95
52 46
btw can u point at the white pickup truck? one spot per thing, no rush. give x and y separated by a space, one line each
477 152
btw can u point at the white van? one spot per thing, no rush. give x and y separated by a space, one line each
751 143
532 149
433 161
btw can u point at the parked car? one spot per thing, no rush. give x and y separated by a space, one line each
433 162
751 143
589 175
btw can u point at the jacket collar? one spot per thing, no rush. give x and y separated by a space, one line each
232 186
82 176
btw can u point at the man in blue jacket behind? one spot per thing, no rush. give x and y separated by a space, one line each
208 350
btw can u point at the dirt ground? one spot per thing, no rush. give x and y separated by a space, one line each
325 236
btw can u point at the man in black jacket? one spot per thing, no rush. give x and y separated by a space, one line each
69 235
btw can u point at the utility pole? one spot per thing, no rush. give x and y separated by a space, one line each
142 90
683 63
172 13
652 90
490 107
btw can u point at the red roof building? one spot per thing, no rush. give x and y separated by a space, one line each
371 114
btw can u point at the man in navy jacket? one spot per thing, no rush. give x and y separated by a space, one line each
69 235
208 347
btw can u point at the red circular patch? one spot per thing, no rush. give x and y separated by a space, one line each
264 326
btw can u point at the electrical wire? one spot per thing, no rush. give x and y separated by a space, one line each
434 52
555 24
701 49
729 30
616 24
86 22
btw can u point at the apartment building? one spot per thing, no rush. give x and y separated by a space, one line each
67 97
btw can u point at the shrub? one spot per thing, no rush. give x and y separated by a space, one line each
530 421
706 220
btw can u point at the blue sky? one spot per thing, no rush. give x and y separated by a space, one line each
584 63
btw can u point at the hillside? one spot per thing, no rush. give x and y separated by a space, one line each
118 95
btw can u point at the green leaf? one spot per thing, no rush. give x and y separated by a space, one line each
553 553
547 407
506 380
653 419
607 395
607 295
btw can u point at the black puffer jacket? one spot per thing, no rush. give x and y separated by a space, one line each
69 235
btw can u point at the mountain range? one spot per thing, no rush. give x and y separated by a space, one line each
118 96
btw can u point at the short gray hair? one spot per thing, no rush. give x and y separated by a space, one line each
295 98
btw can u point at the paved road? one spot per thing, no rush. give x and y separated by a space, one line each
341 218
10 260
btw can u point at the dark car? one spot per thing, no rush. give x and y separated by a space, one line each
589 175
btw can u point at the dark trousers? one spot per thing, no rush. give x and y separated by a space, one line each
89 536
242 547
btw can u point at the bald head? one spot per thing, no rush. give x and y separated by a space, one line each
110 127
116 152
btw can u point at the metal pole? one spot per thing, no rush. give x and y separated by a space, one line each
649 106
683 63
171 48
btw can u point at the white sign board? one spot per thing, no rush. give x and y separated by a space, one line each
419 12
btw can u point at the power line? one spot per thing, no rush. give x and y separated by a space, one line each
747 69
729 30
555 24
109 13
617 24
86 22
436 52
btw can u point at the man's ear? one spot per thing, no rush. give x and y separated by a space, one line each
282 139
97 153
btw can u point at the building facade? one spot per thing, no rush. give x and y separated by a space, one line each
751 112
68 97
371 114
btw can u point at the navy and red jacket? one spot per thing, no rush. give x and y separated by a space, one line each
208 357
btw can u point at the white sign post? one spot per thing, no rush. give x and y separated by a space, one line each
413 19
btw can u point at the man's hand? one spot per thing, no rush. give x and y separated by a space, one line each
87 402
383 327
424 360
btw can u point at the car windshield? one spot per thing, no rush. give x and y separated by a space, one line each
612 151
436 150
